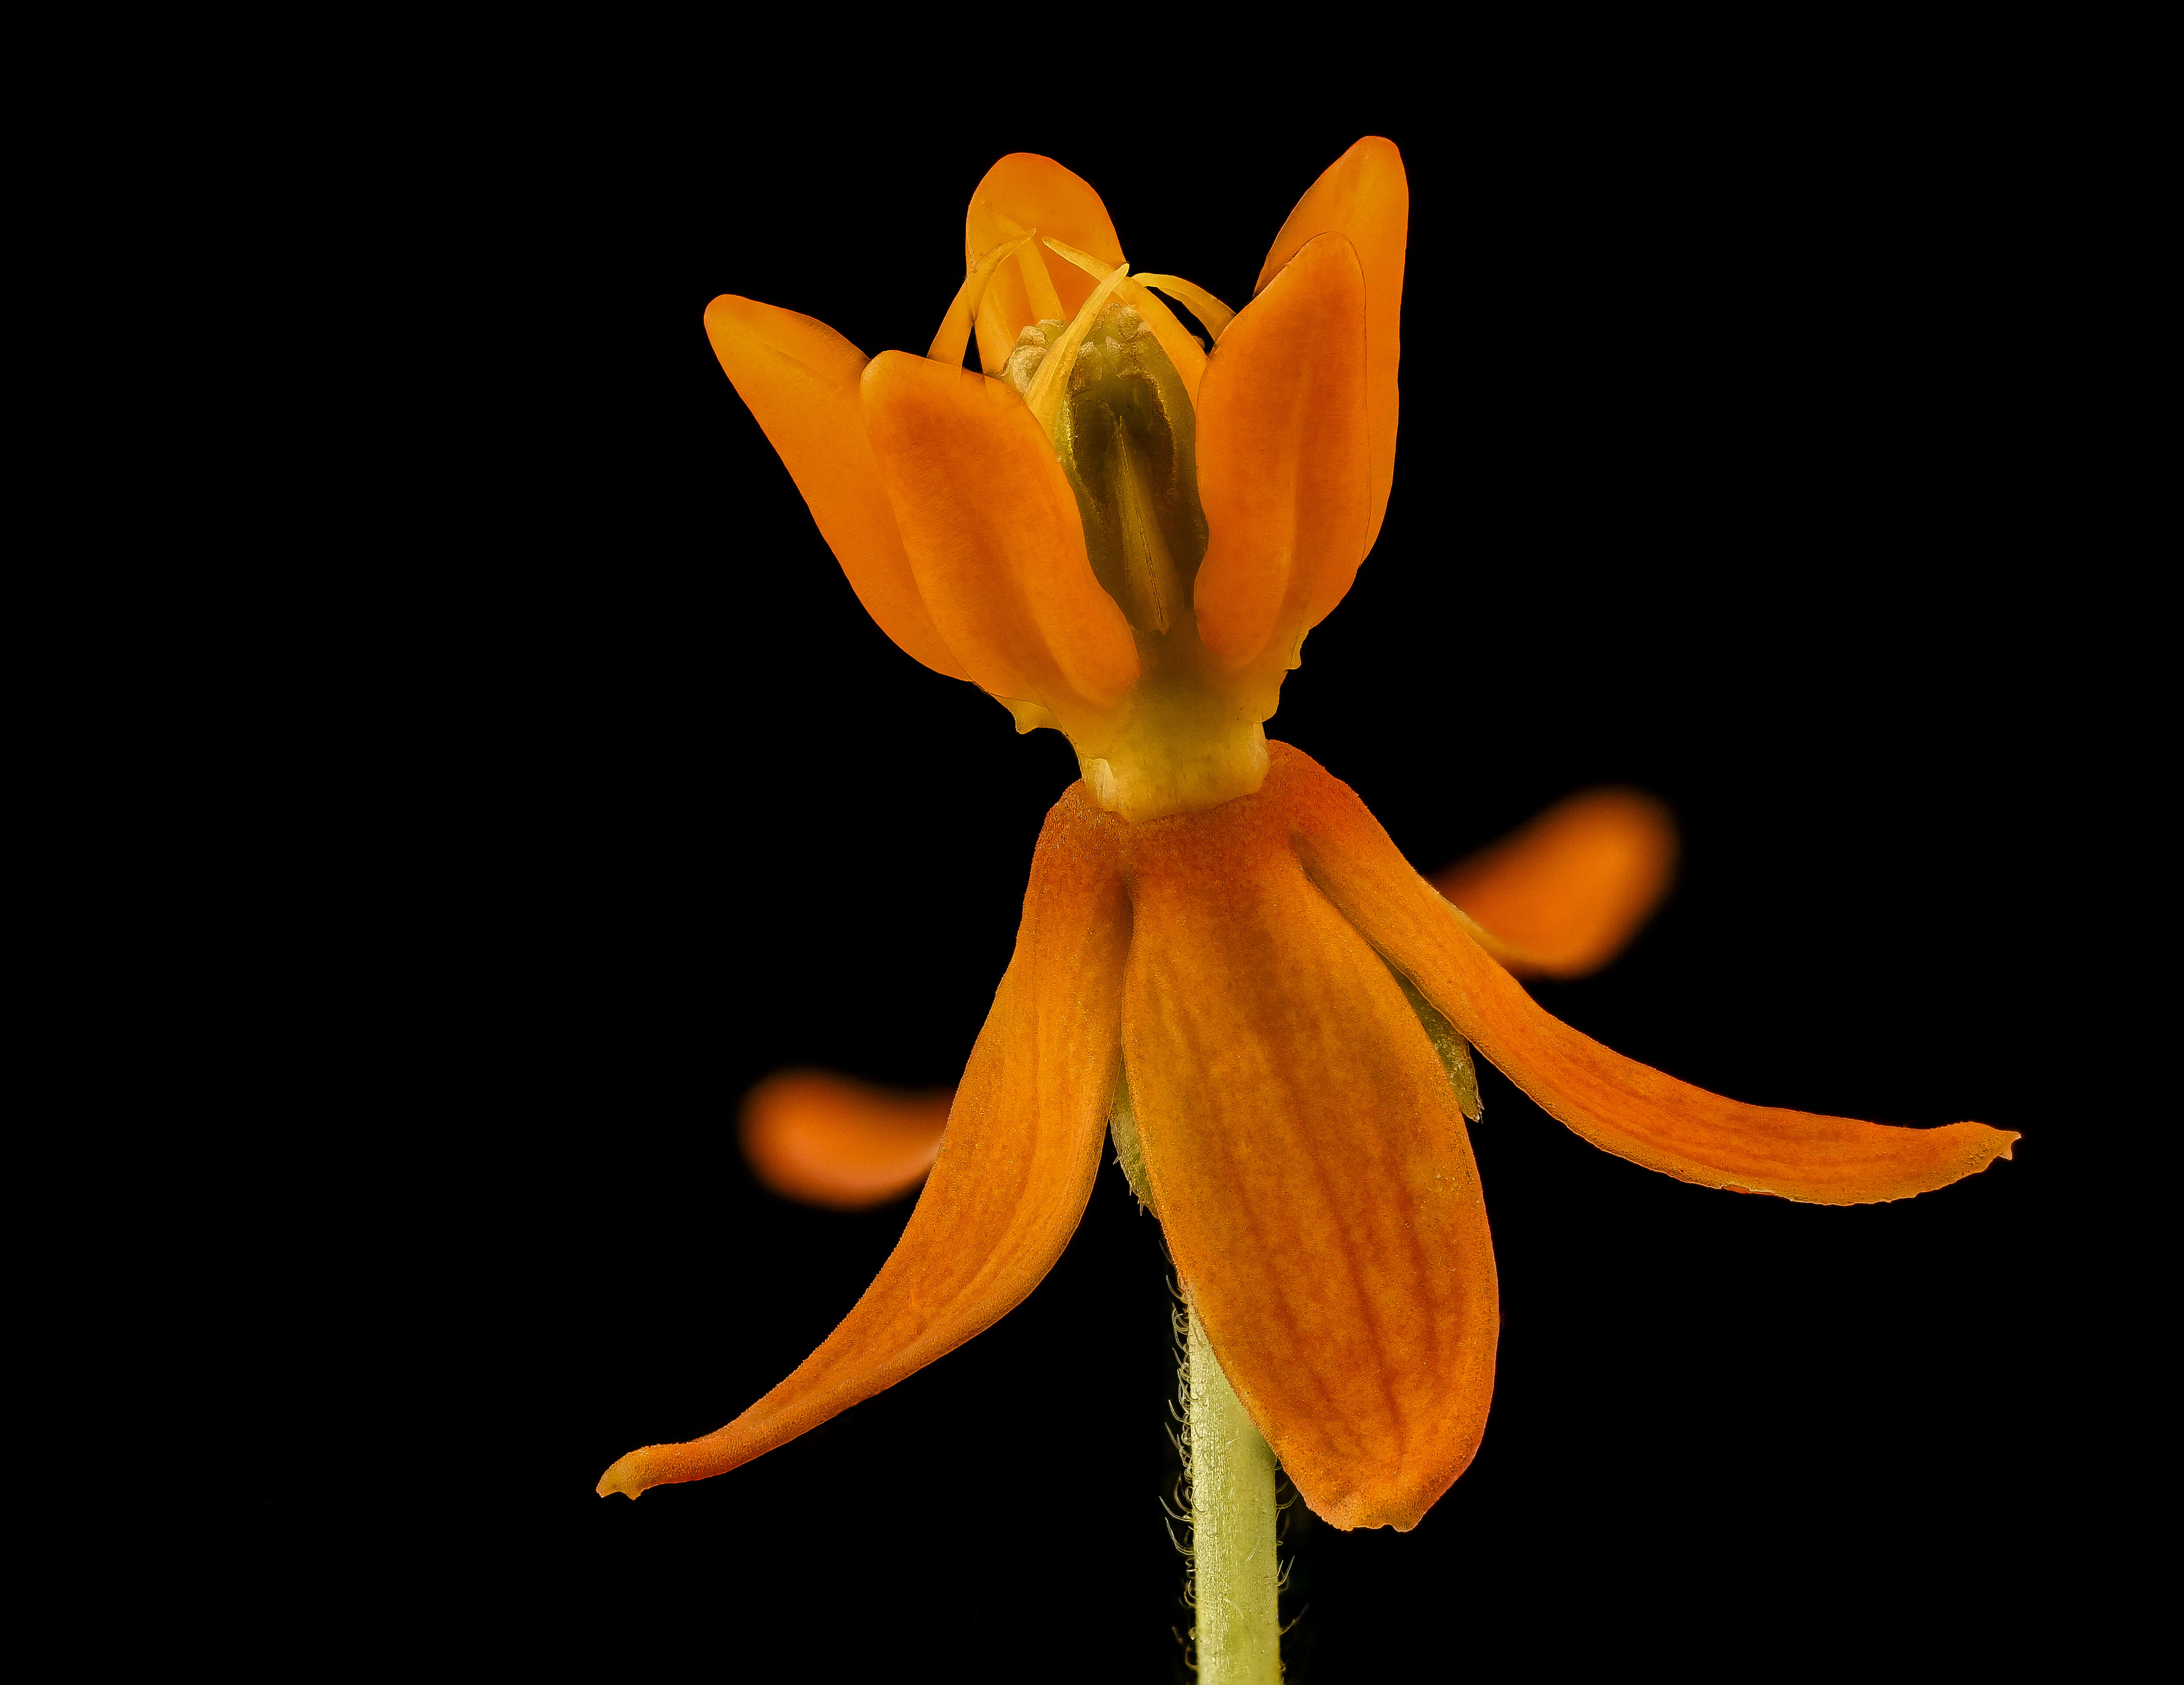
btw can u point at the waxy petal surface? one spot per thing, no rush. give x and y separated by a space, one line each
994 536
1365 196
827 1140
1309 1165
800 380
1564 895
1025 191
1282 468
1014 1171
1620 1105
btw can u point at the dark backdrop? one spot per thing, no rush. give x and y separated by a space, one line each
1709 482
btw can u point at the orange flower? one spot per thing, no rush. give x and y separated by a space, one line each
1223 957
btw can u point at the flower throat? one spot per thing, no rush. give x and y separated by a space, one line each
1124 432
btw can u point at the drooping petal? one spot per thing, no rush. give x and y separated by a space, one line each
1620 1105
1014 1171
1308 1162
1023 192
994 536
1283 469
1562 896
799 378
827 1140
1365 195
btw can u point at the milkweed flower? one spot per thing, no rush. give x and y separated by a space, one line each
1222 958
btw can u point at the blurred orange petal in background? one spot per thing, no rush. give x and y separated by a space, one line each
1566 893
831 1140
1560 897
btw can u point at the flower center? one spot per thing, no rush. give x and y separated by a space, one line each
1125 433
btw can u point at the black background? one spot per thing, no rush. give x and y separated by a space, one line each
1711 481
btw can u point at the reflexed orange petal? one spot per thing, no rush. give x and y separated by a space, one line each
799 378
1022 191
1620 1105
994 536
1562 896
1365 195
1282 461
825 1140
1015 1167
1309 1166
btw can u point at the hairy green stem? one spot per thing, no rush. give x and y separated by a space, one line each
1232 1501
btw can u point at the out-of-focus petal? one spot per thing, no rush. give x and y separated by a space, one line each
1283 469
827 1140
1014 1171
1364 195
1620 1105
1562 896
994 536
1308 1160
799 378
1023 192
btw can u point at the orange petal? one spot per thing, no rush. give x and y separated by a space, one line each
1620 1105
799 378
994 536
1282 461
1023 192
1562 896
825 1140
1365 195
1309 1166
1015 1166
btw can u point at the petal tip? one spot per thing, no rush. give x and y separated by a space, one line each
621 1477
1355 1511
1344 1513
